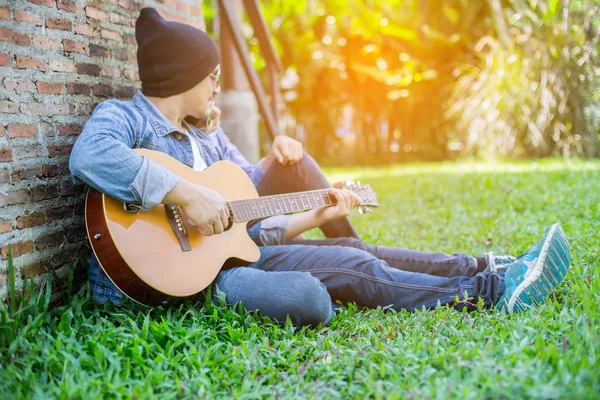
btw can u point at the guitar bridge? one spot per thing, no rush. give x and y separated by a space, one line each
176 222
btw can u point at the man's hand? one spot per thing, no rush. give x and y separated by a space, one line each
205 207
285 150
346 201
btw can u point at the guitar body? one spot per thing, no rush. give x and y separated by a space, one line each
142 255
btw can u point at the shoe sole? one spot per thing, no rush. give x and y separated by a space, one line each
550 263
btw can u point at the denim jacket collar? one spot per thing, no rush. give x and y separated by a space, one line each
162 126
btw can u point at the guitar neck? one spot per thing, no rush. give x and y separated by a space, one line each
268 206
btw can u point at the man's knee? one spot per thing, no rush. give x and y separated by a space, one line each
310 304
278 295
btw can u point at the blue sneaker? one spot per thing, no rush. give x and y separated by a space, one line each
531 278
497 263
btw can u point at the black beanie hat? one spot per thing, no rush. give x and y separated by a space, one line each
172 57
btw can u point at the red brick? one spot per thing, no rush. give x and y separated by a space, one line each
17 249
63 109
4 13
111 35
73 46
68 5
69 129
59 150
54 214
25 174
34 269
30 63
94 13
197 11
30 220
29 150
76 233
88 69
83 109
99 51
49 87
65 257
124 91
5 59
128 4
44 192
129 38
5 226
50 170
110 71
5 155
21 131
8 107
33 109
102 90
130 74
4 176
2 130
43 42
21 85
27 17
14 197
46 3
61 65
68 188
58 23
7 35
119 19
183 7
47 129
49 240
78 88
85 29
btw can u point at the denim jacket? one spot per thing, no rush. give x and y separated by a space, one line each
102 157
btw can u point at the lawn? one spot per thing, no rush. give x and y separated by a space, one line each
81 350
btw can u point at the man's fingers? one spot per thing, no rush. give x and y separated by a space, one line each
224 215
218 227
357 201
277 154
207 229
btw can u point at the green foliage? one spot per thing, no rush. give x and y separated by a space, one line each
373 81
25 313
527 95
82 350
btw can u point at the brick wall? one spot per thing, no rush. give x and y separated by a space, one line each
58 60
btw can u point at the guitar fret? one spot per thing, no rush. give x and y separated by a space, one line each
267 206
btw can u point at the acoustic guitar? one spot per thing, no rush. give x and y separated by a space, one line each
160 257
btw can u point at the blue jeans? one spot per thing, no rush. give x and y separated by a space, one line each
303 280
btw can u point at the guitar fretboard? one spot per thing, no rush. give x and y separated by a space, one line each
268 206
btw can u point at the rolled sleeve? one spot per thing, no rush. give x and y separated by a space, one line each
270 231
152 183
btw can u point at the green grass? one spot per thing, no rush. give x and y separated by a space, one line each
84 351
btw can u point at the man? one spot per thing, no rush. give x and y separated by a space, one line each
179 70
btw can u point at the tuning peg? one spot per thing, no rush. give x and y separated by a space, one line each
361 210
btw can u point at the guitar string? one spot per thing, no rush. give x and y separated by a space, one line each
263 207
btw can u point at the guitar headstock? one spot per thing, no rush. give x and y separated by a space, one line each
366 193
